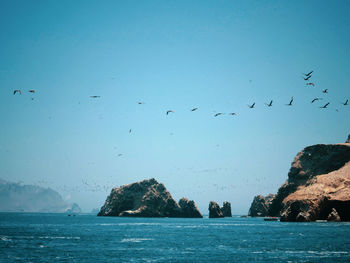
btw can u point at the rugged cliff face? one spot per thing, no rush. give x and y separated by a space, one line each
147 198
318 182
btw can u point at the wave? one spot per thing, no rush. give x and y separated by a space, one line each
135 240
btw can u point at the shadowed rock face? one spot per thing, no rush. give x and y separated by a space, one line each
226 209
189 208
318 182
260 205
147 198
214 210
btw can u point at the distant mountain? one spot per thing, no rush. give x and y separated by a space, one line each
15 197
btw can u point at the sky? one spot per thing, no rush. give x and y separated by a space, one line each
219 56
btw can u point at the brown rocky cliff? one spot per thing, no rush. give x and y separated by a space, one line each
310 163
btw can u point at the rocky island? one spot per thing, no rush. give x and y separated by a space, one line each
147 198
215 211
318 186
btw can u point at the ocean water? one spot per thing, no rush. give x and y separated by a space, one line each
26 237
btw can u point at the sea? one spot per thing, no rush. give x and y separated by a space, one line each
35 237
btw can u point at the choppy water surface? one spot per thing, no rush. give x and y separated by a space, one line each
88 238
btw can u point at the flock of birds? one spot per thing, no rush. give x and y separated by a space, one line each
306 77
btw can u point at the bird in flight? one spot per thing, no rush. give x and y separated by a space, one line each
95 97
140 102
346 103
169 112
218 114
194 109
270 104
307 78
130 131
308 74
251 106
315 99
291 101
310 84
31 91
325 106
325 91
17 90
233 114
120 154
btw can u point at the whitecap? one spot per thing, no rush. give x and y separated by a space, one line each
135 240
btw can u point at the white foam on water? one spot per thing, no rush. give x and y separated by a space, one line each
5 239
135 240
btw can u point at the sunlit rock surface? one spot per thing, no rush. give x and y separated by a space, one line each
318 182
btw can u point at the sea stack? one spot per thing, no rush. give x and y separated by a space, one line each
318 186
260 205
147 198
226 209
214 210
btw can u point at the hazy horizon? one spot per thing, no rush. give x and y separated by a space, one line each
218 56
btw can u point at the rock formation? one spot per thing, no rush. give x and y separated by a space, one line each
333 216
260 205
318 182
226 209
348 140
147 198
214 210
189 208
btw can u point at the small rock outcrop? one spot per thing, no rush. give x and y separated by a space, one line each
226 209
333 216
147 198
189 208
260 205
214 210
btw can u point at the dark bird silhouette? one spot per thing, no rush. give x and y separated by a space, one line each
218 114
31 91
169 112
194 109
291 101
17 90
310 84
140 102
95 97
325 91
307 78
120 154
308 74
233 113
325 106
270 104
346 103
130 131
251 106
315 99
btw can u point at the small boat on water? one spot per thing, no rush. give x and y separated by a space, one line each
271 218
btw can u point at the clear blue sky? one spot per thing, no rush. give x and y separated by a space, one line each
218 56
